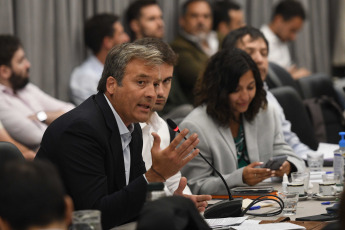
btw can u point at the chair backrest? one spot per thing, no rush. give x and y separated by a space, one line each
171 213
317 85
278 76
296 113
9 152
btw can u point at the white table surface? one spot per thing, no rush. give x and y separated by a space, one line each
309 207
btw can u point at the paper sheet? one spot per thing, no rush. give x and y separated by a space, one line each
225 222
274 226
327 150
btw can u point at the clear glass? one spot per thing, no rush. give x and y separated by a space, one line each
327 189
315 162
331 178
301 177
86 220
290 200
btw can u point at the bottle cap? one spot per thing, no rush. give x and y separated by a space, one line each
285 178
342 141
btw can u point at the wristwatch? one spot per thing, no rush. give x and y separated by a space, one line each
41 116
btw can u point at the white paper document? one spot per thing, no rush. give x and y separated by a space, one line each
327 150
225 222
273 226
250 222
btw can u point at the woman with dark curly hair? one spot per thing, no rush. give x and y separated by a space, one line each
238 131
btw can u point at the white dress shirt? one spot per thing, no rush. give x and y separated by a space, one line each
126 137
158 125
290 137
278 50
84 79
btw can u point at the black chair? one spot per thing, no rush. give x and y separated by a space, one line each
318 85
9 152
278 76
171 213
296 113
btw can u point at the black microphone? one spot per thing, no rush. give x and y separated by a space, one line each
222 209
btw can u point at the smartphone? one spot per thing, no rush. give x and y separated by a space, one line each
274 163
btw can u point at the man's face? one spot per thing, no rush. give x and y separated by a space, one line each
150 23
135 98
198 19
20 67
163 89
258 51
120 36
287 30
237 19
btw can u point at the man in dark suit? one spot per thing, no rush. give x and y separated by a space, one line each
97 147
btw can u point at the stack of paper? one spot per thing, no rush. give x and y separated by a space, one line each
225 222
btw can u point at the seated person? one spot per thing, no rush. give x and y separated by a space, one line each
25 110
238 131
97 147
101 33
33 198
253 41
4 136
287 20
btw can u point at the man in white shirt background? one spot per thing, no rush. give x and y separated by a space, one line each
287 20
101 33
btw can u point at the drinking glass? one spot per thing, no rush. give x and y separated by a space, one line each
315 161
301 177
290 200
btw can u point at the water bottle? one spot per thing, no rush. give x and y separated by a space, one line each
155 191
338 160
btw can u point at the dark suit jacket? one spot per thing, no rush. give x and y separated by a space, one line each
85 145
191 63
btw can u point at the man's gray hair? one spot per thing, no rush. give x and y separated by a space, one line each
119 57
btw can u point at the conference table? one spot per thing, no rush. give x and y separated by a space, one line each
307 207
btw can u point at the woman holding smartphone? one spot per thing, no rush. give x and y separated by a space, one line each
238 131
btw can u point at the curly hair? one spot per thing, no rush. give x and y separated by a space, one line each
221 77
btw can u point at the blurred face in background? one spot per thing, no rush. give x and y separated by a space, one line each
236 19
258 51
150 23
120 36
287 30
197 19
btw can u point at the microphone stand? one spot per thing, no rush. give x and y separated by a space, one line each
222 209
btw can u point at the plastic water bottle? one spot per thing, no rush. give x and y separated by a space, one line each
338 160
155 191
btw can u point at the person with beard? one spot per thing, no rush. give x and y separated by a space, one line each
195 43
25 110
144 19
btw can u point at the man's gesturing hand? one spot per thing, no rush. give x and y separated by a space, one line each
169 161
